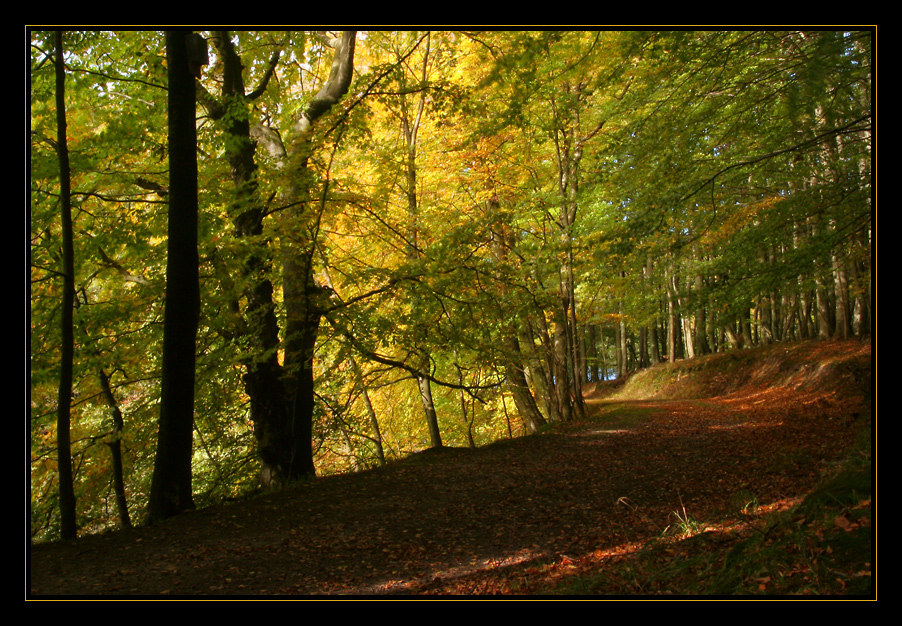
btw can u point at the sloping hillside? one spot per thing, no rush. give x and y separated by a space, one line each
821 366
714 495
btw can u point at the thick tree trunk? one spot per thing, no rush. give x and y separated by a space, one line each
170 491
263 378
523 399
538 370
304 304
514 360
653 344
542 366
281 396
305 301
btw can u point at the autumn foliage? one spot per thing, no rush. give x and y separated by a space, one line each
414 249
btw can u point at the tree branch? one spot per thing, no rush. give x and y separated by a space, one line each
270 70
764 157
414 371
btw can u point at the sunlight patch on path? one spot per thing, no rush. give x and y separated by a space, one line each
607 431
443 575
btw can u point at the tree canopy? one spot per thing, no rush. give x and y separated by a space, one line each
466 226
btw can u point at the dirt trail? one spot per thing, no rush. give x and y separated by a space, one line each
477 521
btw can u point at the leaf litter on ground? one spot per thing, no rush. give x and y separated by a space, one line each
702 495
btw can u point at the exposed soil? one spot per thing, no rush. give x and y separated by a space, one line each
507 518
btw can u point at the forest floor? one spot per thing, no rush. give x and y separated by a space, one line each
749 487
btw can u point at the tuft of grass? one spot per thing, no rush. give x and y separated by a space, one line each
744 502
685 526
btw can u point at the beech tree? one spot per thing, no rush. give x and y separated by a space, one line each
281 395
171 491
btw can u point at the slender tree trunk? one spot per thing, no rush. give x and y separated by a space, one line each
68 527
468 421
410 127
619 353
544 369
370 411
115 445
115 441
604 355
824 318
843 328
562 385
592 352
622 348
805 331
672 319
435 435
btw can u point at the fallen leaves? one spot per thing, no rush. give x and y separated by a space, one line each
505 518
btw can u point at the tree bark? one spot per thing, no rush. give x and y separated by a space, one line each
370 411
281 395
305 300
263 380
115 445
170 491
68 527
523 398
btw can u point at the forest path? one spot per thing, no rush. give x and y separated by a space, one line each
505 518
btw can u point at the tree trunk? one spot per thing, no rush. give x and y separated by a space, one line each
115 444
281 396
673 319
592 353
562 387
604 357
523 399
304 304
263 378
435 435
843 328
68 527
410 127
700 336
170 491
514 361
370 411
824 318
305 301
